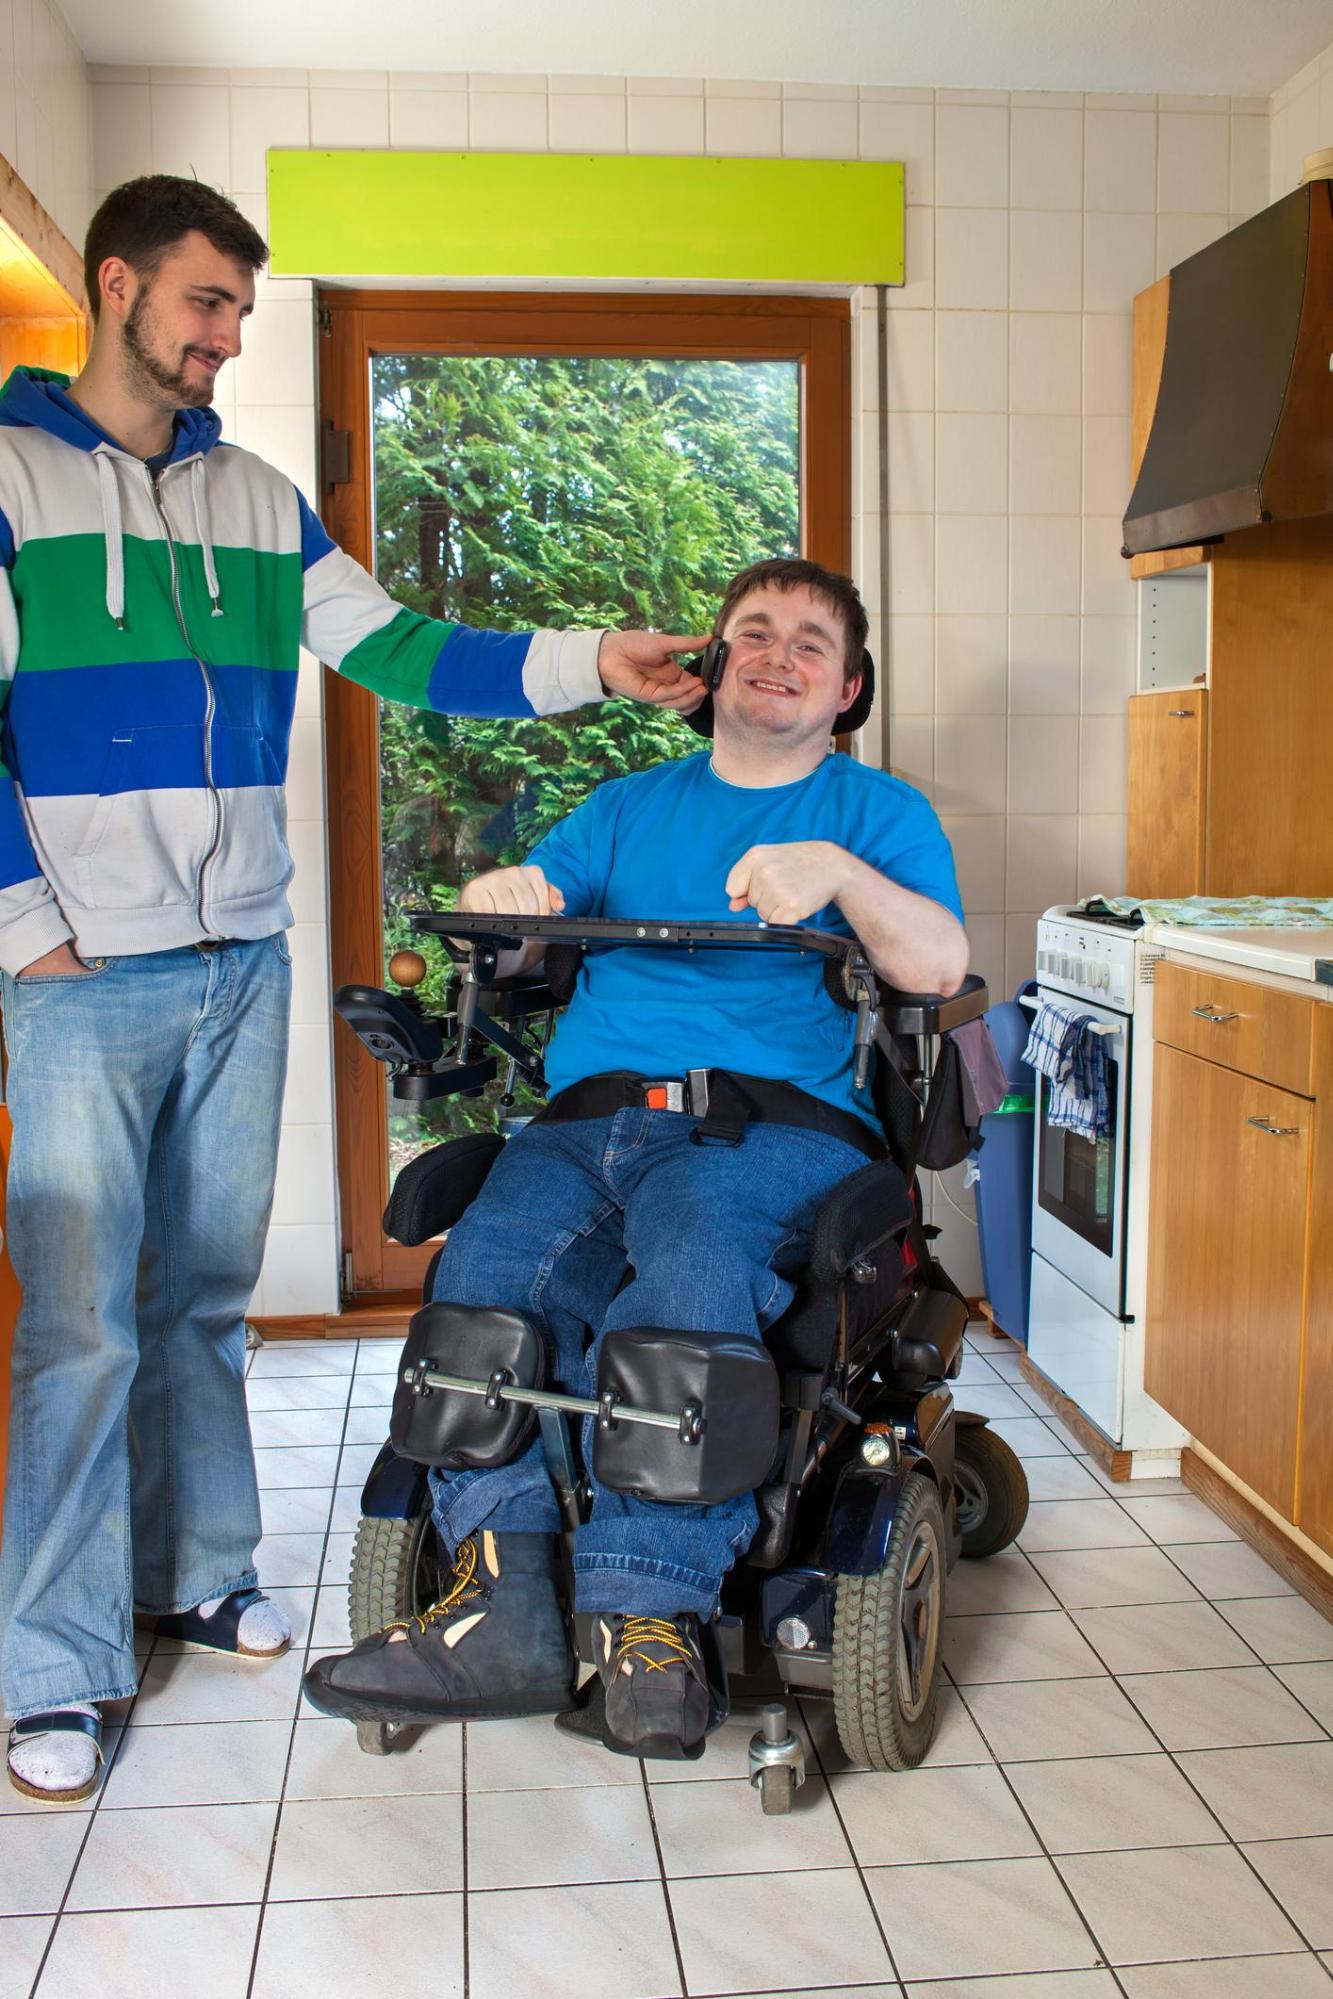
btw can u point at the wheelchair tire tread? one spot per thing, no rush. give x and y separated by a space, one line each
869 1719
384 1580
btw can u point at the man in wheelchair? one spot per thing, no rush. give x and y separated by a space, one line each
702 1106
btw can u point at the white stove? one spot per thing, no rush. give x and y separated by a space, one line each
1090 1197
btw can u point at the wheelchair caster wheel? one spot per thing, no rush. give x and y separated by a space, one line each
991 1489
777 1788
380 1738
777 1762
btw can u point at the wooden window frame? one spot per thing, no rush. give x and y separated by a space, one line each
355 326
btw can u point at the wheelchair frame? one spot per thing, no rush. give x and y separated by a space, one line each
876 1417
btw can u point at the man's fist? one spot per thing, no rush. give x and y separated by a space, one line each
789 883
641 665
512 892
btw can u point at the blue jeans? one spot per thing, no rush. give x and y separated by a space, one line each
146 1095
712 1235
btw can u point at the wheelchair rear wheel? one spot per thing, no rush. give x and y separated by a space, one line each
887 1633
992 1491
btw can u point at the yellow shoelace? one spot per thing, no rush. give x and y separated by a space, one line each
641 1631
461 1590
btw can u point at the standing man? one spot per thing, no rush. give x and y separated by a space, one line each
155 587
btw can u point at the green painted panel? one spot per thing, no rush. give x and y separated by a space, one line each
558 215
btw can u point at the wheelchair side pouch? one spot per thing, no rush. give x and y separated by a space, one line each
451 1428
723 1390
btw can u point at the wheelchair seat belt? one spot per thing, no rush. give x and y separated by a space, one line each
723 1101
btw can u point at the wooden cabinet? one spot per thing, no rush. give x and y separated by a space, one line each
1230 803
1240 1293
1314 1484
1228 1238
1256 1029
1167 749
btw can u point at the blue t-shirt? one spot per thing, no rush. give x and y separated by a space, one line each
661 843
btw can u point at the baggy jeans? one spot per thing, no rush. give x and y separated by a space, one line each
146 1095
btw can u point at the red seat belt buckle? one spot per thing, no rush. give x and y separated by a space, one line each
655 1097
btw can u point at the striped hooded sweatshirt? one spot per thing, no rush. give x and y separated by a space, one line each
151 618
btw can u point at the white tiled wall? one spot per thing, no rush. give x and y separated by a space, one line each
45 131
1032 220
1301 121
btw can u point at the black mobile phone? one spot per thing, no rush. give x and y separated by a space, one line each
710 663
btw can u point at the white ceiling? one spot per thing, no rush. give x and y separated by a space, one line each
1231 47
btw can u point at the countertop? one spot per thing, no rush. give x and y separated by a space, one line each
1290 954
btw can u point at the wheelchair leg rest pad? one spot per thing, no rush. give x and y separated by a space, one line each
726 1389
447 1427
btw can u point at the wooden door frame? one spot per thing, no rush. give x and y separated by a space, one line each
354 327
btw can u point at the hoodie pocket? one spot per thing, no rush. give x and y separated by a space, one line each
252 860
145 842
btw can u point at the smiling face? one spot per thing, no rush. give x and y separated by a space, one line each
179 324
785 674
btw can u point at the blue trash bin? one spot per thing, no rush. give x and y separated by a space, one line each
1003 1165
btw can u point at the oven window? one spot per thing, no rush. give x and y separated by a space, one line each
1077 1177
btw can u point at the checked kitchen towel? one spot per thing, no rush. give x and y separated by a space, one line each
1064 1048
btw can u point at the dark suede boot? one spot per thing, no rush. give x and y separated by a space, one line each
494 1644
657 1701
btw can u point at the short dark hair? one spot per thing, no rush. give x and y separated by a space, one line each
142 219
791 573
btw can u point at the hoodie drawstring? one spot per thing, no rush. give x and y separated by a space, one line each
114 532
199 495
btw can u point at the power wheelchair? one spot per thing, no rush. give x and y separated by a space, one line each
869 1482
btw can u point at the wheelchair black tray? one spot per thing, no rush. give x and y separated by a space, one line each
913 1013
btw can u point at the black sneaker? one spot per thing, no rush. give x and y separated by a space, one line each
494 1644
657 1700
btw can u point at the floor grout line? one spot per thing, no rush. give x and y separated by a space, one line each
98 1796
1103 1956
291 1739
662 1876
1212 1813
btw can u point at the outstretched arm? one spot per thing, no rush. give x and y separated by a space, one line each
912 941
355 627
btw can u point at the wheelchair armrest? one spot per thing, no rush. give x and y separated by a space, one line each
931 1013
863 1211
433 1189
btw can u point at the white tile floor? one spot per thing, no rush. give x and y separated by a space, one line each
1131 1790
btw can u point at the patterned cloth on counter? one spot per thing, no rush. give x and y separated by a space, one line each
1064 1048
1225 912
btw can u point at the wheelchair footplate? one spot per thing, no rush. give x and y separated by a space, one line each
586 1717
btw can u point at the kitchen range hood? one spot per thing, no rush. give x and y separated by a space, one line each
1242 433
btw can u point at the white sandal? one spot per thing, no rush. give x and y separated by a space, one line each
64 1721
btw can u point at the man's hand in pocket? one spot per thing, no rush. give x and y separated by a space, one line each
59 963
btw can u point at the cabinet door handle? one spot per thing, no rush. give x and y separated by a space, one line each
1179 714
1209 1012
1274 1130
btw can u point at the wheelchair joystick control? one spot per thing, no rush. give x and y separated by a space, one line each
407 969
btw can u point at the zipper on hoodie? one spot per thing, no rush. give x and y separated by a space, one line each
210 704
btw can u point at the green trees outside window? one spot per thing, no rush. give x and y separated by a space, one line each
516 491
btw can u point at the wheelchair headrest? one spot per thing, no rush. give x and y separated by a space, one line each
852 717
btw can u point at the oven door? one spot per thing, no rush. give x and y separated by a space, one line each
1078 1205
